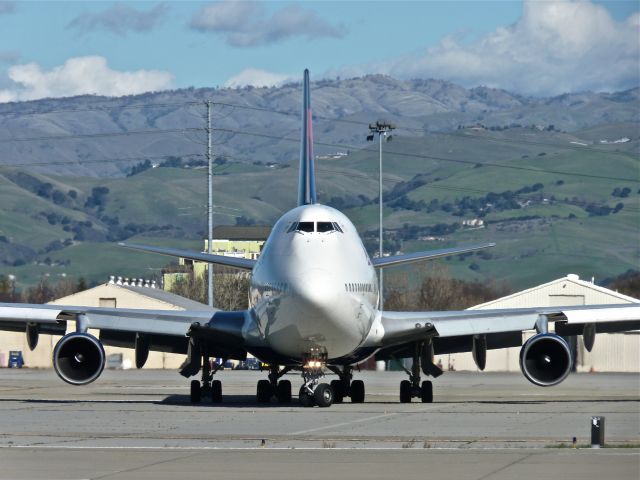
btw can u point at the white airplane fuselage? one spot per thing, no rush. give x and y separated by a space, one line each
314 287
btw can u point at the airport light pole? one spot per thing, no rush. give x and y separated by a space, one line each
209 207
383 129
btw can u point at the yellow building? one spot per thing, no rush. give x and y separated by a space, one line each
240 241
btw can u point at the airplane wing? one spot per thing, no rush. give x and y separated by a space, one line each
219 332
396 260
241 263
403 327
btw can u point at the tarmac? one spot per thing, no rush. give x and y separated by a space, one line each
140 424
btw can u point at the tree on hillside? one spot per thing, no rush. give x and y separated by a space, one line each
229 289
439 291
627 283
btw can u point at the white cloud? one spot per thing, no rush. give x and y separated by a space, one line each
120 19
245 23
80 76
555 47
256 78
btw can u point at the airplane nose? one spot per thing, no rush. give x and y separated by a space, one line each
316 289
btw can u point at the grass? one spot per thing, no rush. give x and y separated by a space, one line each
528 252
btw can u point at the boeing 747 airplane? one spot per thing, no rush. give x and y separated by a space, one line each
313 307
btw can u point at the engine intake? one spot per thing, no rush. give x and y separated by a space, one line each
545 359
78 358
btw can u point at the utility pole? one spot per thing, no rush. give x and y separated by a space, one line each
383 129
209 208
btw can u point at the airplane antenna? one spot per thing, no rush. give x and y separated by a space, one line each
209 208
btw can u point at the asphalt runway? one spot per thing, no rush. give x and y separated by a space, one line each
140 424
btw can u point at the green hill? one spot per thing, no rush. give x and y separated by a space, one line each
555 203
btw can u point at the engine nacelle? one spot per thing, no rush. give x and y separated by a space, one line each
545 359
78 358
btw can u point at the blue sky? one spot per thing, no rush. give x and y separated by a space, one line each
115 48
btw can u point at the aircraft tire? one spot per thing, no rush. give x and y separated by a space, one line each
195 391
338 390
426 392
357 391
305 399
264 391
323 395
283 391
405 391
216 391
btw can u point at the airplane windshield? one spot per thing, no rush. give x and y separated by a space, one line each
325 227
306 227
310 227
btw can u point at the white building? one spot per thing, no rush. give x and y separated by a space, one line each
108 295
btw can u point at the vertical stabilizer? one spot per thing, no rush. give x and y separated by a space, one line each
307 179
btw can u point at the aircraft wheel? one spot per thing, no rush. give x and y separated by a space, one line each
216 391
264 391
195 392
338 390
283 391
305 399
357 391
405 391
426 393
323 395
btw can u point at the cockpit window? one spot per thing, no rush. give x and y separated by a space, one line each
306 227
310 227
324 227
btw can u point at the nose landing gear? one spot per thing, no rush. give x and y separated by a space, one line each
312 391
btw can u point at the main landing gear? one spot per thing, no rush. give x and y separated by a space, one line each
422 359
207 387
281 389
345 386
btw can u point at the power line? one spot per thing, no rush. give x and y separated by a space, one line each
443 159
101 160
317 117
100 135
102 109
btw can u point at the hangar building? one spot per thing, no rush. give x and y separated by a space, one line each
109 295
619 352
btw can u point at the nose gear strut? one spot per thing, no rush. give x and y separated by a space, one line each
312 391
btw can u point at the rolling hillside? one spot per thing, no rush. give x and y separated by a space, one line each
555 203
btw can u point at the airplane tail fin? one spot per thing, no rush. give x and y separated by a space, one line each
307 178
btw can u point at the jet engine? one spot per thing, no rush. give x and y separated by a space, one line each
545 359
78 358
